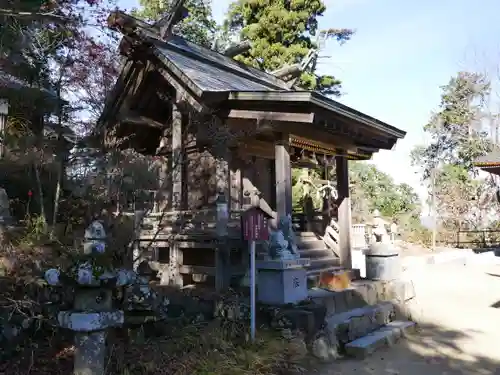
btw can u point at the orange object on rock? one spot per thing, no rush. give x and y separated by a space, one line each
335 280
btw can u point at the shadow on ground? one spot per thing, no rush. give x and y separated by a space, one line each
431 350
482 250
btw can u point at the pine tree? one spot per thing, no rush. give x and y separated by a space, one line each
457 133
282 32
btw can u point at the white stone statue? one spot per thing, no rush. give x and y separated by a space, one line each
379 228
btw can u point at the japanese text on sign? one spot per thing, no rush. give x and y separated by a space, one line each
255 225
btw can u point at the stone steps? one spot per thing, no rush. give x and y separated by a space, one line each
304 236
356 323
315 253
311 244
361 319
385 336
322 258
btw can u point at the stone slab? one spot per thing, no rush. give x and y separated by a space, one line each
356 323
363 293
90 321
335 302
382 337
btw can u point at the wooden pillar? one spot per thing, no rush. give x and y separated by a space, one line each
236 188
283 176
4 111
344 211
326 214
177 158
175 259
222 253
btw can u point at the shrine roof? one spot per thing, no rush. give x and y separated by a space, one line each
213 71
489 162
217 82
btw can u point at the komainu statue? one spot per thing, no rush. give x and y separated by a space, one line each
379 229
282 243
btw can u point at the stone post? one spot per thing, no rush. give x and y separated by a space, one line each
222 261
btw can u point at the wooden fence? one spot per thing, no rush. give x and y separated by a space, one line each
476 239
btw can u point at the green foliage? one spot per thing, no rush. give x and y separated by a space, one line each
35 229
455 191
282 33
372 189
199 27
456 130
298 189
457 138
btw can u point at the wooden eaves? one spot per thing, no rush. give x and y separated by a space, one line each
489 163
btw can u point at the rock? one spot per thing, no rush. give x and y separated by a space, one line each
324 347
7 265
140 297
4 207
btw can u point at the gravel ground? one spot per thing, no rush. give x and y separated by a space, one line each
458 310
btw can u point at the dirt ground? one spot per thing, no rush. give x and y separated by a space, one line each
411 249
458 310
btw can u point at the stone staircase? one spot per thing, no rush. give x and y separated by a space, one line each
362 319
323 259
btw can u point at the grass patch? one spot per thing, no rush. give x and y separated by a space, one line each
214 348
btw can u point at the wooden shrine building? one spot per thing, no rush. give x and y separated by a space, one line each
227 130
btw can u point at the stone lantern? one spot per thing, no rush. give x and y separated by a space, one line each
92 314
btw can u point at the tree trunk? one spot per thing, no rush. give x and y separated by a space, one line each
41 195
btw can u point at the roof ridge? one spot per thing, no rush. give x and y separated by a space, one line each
146 31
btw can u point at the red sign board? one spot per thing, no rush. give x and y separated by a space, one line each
255 225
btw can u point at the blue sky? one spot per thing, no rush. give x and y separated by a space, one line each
401 54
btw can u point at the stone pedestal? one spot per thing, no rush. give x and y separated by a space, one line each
281 282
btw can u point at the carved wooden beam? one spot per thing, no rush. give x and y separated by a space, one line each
177 13
291 70
134 118
238 49
272 116
183 96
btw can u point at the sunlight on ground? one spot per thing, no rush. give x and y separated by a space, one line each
458 329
